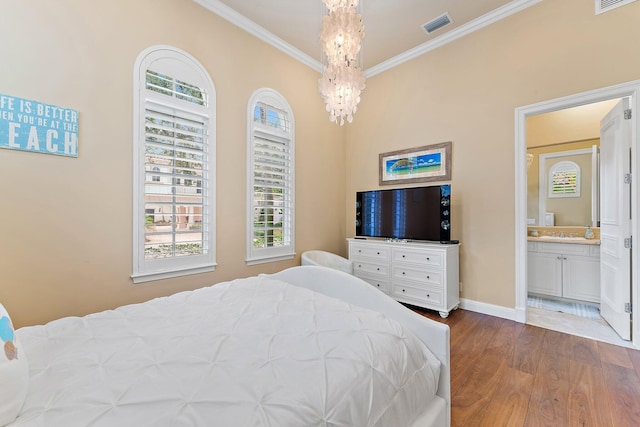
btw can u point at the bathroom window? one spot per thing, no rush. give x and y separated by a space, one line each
564 180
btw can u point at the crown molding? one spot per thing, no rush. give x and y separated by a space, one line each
483 21
227 13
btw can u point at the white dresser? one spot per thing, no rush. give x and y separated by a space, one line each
421 274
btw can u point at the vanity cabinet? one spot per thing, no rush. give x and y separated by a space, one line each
421 274
564 270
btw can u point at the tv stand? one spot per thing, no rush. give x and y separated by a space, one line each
422 274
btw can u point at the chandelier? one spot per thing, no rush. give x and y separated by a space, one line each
529 160
342 78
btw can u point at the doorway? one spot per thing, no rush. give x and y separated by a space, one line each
631 90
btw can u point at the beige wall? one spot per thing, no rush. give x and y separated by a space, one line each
466 92
568 125
65 223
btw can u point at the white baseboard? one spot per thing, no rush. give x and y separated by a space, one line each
491 310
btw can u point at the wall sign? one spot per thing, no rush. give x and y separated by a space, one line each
35 126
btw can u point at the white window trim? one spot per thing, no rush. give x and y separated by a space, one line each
145 270
259 256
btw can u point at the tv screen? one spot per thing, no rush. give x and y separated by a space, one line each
419 213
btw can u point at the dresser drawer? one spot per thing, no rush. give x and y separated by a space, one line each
383 285
369 269
403 272
357 251
422 257
420 295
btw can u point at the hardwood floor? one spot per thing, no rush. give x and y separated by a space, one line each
511 374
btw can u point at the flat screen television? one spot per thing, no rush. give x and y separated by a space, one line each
418 213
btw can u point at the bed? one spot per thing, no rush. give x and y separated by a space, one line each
308 346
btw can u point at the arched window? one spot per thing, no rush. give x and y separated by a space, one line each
270 178
564 179
174 165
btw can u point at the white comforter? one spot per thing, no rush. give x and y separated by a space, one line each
251 352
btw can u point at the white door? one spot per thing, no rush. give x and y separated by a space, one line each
615 219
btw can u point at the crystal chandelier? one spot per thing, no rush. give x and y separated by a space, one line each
342 79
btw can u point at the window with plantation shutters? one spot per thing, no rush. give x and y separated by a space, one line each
564 180
174 152
270 178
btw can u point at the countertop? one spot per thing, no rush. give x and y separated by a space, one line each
569 240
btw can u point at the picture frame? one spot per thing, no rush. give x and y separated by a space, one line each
419 164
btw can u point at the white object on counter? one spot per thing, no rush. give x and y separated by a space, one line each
549 219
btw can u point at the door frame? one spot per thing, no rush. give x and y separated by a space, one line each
631 89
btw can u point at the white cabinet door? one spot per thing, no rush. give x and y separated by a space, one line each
579 274
544 273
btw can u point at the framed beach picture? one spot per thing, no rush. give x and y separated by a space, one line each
420 164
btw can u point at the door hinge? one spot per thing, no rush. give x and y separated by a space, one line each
627 114
627 178
628 308
628 243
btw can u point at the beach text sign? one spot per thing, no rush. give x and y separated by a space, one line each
35 126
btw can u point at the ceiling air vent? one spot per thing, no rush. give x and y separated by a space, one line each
603 6
439 22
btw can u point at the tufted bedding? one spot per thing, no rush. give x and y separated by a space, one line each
250 352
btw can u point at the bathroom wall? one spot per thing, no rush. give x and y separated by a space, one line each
567 210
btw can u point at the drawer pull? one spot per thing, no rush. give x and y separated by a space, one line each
428 277
359 265
403 256
428 295
403 273
378 268
428 258
378 284
403 290
378 253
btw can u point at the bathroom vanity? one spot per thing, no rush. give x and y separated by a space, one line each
564 268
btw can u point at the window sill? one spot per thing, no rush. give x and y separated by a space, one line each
263 260
159 275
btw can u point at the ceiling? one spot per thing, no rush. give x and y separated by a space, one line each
393 28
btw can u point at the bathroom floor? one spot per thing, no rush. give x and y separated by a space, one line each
588 328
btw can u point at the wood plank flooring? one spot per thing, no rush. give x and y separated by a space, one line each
505 373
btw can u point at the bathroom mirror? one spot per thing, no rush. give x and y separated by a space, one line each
563 184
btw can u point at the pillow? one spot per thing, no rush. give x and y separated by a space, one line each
14 371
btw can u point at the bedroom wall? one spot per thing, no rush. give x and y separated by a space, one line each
66 223
466 92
